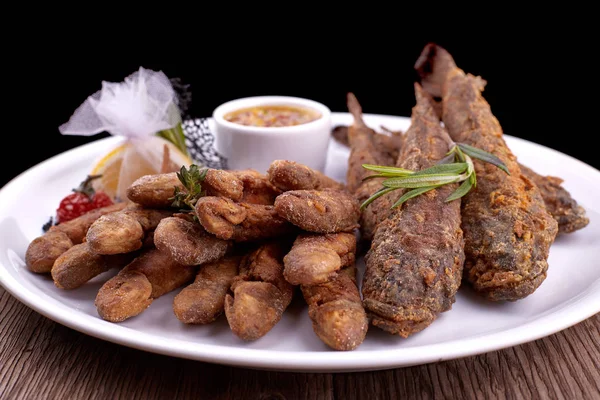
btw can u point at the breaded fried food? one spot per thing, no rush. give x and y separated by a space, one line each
559 203
388 145
133 289
79 264
336 310
44 250
508 231
240 222
290 175
123 231
363 150
260 293
187 242
316 258
321 211
157 190
415 263
204 300
257 187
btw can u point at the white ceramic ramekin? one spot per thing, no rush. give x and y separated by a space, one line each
256 147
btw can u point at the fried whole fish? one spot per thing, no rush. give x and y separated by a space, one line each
508 231
415 263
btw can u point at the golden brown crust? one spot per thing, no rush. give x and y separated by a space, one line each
387 145
508 231
321 211
204 300
77 228
336 311
79 264
316 258
257 187
240 222
132 290
218 182
290 175
414 266
187 242
123 231
154 191
260 293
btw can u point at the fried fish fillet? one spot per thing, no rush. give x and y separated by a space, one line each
290 175
133 289
316 258
508 231
336 310
415 263
43 251
260 293
257 187
321 211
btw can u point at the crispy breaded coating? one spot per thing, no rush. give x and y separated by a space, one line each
44 250
363 150
123 231
336 310
187 242
415 263
290 175
79 264
257 188
204 300
316 258
387 145
240 222
321 211
559 203
508 231
260 293
154 191
133 289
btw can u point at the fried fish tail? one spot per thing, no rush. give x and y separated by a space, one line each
321 211
290 175
240 222
508 230
133 289
187 242
336 310
260 293
204 300
43 251
79 264
316 258
123 231
414 265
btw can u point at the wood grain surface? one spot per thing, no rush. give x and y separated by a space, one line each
40 359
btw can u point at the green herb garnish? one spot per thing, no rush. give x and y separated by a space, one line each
191 179
456 167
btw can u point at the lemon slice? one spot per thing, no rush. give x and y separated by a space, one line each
124 164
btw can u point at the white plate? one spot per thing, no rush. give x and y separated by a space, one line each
570 294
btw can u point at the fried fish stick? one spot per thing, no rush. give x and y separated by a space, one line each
257 187
321 211
290 175
240 222
123 231
336 311
508 231
79 264
44 250
260 293
187 242
316 258
415 263
133 289
559 203
157 191
204 300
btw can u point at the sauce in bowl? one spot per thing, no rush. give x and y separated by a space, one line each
272 116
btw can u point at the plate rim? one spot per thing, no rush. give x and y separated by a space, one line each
568 314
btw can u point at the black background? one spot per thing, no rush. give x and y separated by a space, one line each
535 78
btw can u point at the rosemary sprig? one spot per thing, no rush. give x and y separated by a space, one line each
191 179
457 166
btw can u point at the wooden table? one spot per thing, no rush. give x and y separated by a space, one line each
40 359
